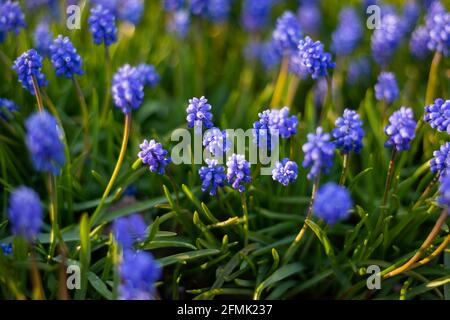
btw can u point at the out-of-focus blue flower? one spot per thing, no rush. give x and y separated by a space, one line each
179 23
138 272
6 248
45 143
148 75
287 33
255 14
6 108
348 33
215 10
65 59
440 163
154 156
111 5
385 40
348 132
27 66
238 171
269 55
332 203
285 171
127 89
419 42
199 113
401 129
102 24
216 141
12 18
129 230
310 18
444 190
438 115
173 5
25 213
438 24
42 38
411 12
319 153
212 176
386 88
297 67
358 71
130 10
314 58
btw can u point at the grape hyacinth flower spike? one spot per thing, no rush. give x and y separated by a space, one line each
333 203
28 68
102 24
25 213
348 136
154 156
129 230
43 38
128 93
386 89
212 176
437 115
285 171
319 153
65 59
7 107
12 18
199 114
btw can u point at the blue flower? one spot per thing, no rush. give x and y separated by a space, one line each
385 40
401 129
65 59
386 88
212 176
42 38
309 17
6 248
255 14
102 24
285 171
127 89
440 163
411 12
313 58
148 75
45 143
179 23
438 24
261 130
348 33
154 156
419 42
130 10
138 272
173 5
438 115
25 213
332 203
348 132
216 142
269 55
238 171
27 66
444 190
6 108
320 91
199 113
358 71
12 18
319 153
287 33
129 230
215 10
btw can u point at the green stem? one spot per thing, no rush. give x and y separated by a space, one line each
280 84
345 164
245 210
426 192
328 105
54 234
292 90
84 111
108 66
126 134
387 188
432 78
294 245
37 93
